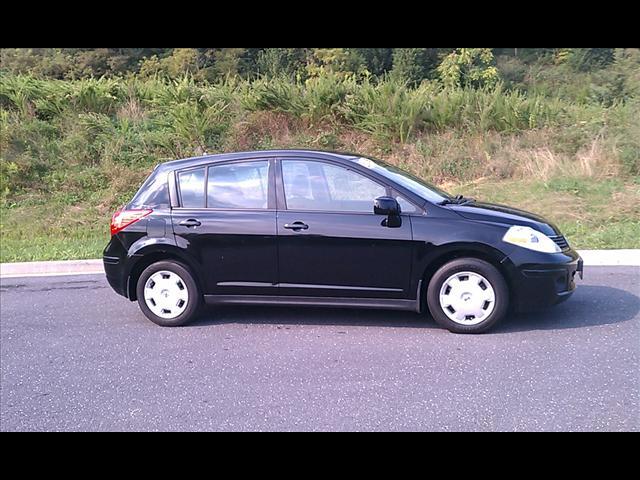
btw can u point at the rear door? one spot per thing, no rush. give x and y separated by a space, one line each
330 243
227 221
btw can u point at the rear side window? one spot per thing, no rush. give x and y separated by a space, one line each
192 188
153 193
238 185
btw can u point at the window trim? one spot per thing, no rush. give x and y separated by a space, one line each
271 202
174 196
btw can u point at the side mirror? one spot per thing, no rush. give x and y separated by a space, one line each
390 207
386 206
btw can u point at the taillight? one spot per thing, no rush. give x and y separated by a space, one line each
123 218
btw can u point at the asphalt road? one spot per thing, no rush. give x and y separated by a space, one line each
75 356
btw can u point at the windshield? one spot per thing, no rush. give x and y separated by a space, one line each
405 179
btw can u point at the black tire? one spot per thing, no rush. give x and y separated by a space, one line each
193 303
489 272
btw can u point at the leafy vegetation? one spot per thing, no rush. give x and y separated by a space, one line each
550 129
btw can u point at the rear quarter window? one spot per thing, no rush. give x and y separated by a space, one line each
154 193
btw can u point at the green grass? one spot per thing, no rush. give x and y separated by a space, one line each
52 230
77 245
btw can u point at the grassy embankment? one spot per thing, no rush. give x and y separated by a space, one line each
73 151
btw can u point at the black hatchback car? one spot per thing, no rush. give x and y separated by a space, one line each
301 227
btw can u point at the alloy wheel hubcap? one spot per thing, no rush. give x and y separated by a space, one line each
467 298
166 294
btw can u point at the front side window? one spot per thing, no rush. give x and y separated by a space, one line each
310 185
192 188
406 206
238 185
410 182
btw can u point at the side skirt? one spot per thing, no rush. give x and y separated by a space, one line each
386 303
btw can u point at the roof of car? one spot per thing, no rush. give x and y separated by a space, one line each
204 159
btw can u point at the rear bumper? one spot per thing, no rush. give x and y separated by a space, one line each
114 267
539 285
114 278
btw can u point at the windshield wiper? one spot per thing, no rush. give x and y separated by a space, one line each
457 200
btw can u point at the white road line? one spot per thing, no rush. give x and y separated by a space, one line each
51 268
56 274
627 258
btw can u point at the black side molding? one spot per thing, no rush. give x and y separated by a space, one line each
386 303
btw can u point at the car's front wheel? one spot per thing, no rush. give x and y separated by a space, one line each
168 294
468 295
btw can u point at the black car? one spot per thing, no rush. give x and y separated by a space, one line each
297 227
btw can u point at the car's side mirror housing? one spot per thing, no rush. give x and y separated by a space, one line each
386 206
390 207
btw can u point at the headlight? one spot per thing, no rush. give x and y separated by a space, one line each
532 239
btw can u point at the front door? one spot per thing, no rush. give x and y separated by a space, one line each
227 221
330 243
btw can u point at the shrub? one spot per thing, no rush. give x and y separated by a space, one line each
273 94
390 110
324 95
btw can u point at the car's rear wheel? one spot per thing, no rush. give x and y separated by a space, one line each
468 295
168 294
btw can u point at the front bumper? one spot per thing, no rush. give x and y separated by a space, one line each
547 281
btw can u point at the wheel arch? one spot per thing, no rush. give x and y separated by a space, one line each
152 255
451 252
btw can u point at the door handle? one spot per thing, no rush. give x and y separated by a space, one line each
296 226
191 222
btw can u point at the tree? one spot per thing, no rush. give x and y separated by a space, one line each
413 64
468 67
378 61
228 61
280 61
341 61
180 62
76 62
585 59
